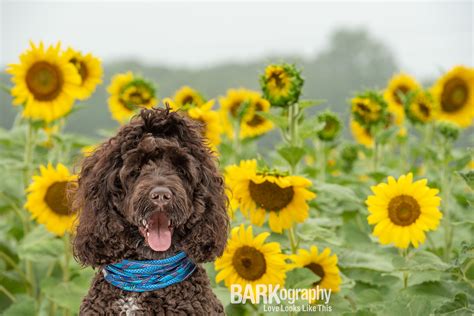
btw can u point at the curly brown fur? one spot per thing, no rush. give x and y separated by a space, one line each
158 148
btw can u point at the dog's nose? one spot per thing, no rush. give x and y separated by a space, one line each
160 195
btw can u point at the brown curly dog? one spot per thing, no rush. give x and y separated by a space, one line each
148 193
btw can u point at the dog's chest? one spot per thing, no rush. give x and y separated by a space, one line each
128 306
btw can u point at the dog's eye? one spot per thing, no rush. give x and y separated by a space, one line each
181 172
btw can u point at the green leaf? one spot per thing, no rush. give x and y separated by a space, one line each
311 230
458 304
65 294
310 128
385 135
24 305
338 191
365 260
408 306
374 278
304 104
462 162
468 177
420 277
420 261
292 154
278 120
301 278
369 297
40 245
466 253
223 294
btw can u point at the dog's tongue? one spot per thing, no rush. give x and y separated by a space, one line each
159 234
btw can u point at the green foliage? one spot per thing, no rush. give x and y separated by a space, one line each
39 276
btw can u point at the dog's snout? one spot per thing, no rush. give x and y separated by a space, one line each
160 195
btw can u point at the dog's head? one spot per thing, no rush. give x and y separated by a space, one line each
150 191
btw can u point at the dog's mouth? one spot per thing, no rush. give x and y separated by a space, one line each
157 231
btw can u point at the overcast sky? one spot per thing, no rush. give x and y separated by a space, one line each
424 36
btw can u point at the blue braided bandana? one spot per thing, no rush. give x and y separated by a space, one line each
149 275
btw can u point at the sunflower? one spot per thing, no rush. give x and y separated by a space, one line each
188 96
44 82
366 110
397 90
322 264
89 150
204 114
361 134
47 200
281 84
332 126
455 94
128 94
90 70
249 260
245 103
253 123
421 108
403 210
282 197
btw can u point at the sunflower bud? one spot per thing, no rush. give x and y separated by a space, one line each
188 97
332 126
128 94
448 130
349 152
281 84
420 108
349 155
370 109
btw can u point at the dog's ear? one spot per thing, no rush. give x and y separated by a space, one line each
101 228
207 229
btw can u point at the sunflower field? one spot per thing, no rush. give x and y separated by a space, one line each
384 220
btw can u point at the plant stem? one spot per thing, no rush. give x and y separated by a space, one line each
404 254
292 140
405 279
7 293
67 255
293 241
29 143
375 156
445 196
66 258
236 140
30 275
15 267
321 148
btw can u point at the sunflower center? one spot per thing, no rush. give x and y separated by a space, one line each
403 210
136 98
424 109
317 269
330 127
81 68
363 108
235 107
44 80
56 198
256 119
249 263
188 100
278 78
400 90
270 196
455 95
